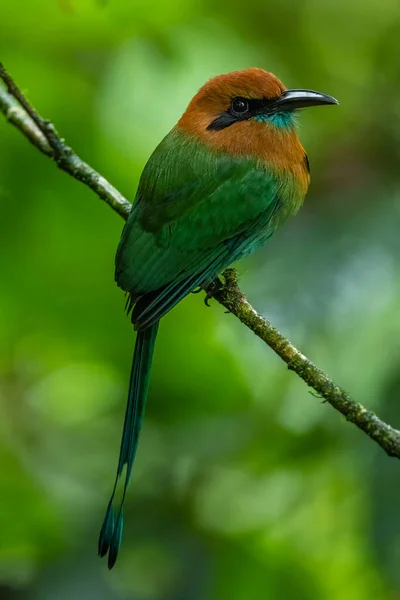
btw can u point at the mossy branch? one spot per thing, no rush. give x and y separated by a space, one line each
43 135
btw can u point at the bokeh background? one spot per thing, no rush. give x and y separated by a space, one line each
245 485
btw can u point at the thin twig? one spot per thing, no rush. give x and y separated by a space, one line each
14 90
42 134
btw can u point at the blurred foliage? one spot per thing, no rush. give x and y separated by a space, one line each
245 485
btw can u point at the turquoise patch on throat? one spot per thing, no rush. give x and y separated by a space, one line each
280 119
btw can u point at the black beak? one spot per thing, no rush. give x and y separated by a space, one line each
294 99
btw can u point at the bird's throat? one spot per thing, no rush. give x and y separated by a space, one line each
284 119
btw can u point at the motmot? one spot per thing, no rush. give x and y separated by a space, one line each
215 189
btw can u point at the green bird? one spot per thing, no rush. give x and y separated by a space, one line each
216 188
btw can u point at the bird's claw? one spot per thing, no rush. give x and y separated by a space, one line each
207 299
218 285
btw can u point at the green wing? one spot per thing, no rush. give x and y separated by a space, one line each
189 202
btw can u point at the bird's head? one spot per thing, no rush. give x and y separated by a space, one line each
238 111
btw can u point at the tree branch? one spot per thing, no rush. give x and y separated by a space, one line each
42 134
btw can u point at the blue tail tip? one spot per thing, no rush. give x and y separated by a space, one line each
107 531
111 535
116 541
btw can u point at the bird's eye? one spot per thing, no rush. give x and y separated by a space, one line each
239 106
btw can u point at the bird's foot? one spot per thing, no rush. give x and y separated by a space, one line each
211 289
223 285
208 289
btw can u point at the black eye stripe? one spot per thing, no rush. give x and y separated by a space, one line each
223 121
254 107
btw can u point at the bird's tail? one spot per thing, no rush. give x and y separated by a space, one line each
111 531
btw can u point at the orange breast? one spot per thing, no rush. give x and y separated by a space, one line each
278 148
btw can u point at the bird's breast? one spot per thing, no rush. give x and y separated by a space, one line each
277 149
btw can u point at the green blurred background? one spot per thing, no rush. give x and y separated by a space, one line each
245 485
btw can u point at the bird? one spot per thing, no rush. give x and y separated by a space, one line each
215 189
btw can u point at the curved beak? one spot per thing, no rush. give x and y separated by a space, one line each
294 99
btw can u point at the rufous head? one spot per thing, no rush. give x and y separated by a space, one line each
235 111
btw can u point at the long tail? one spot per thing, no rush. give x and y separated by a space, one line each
111 531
